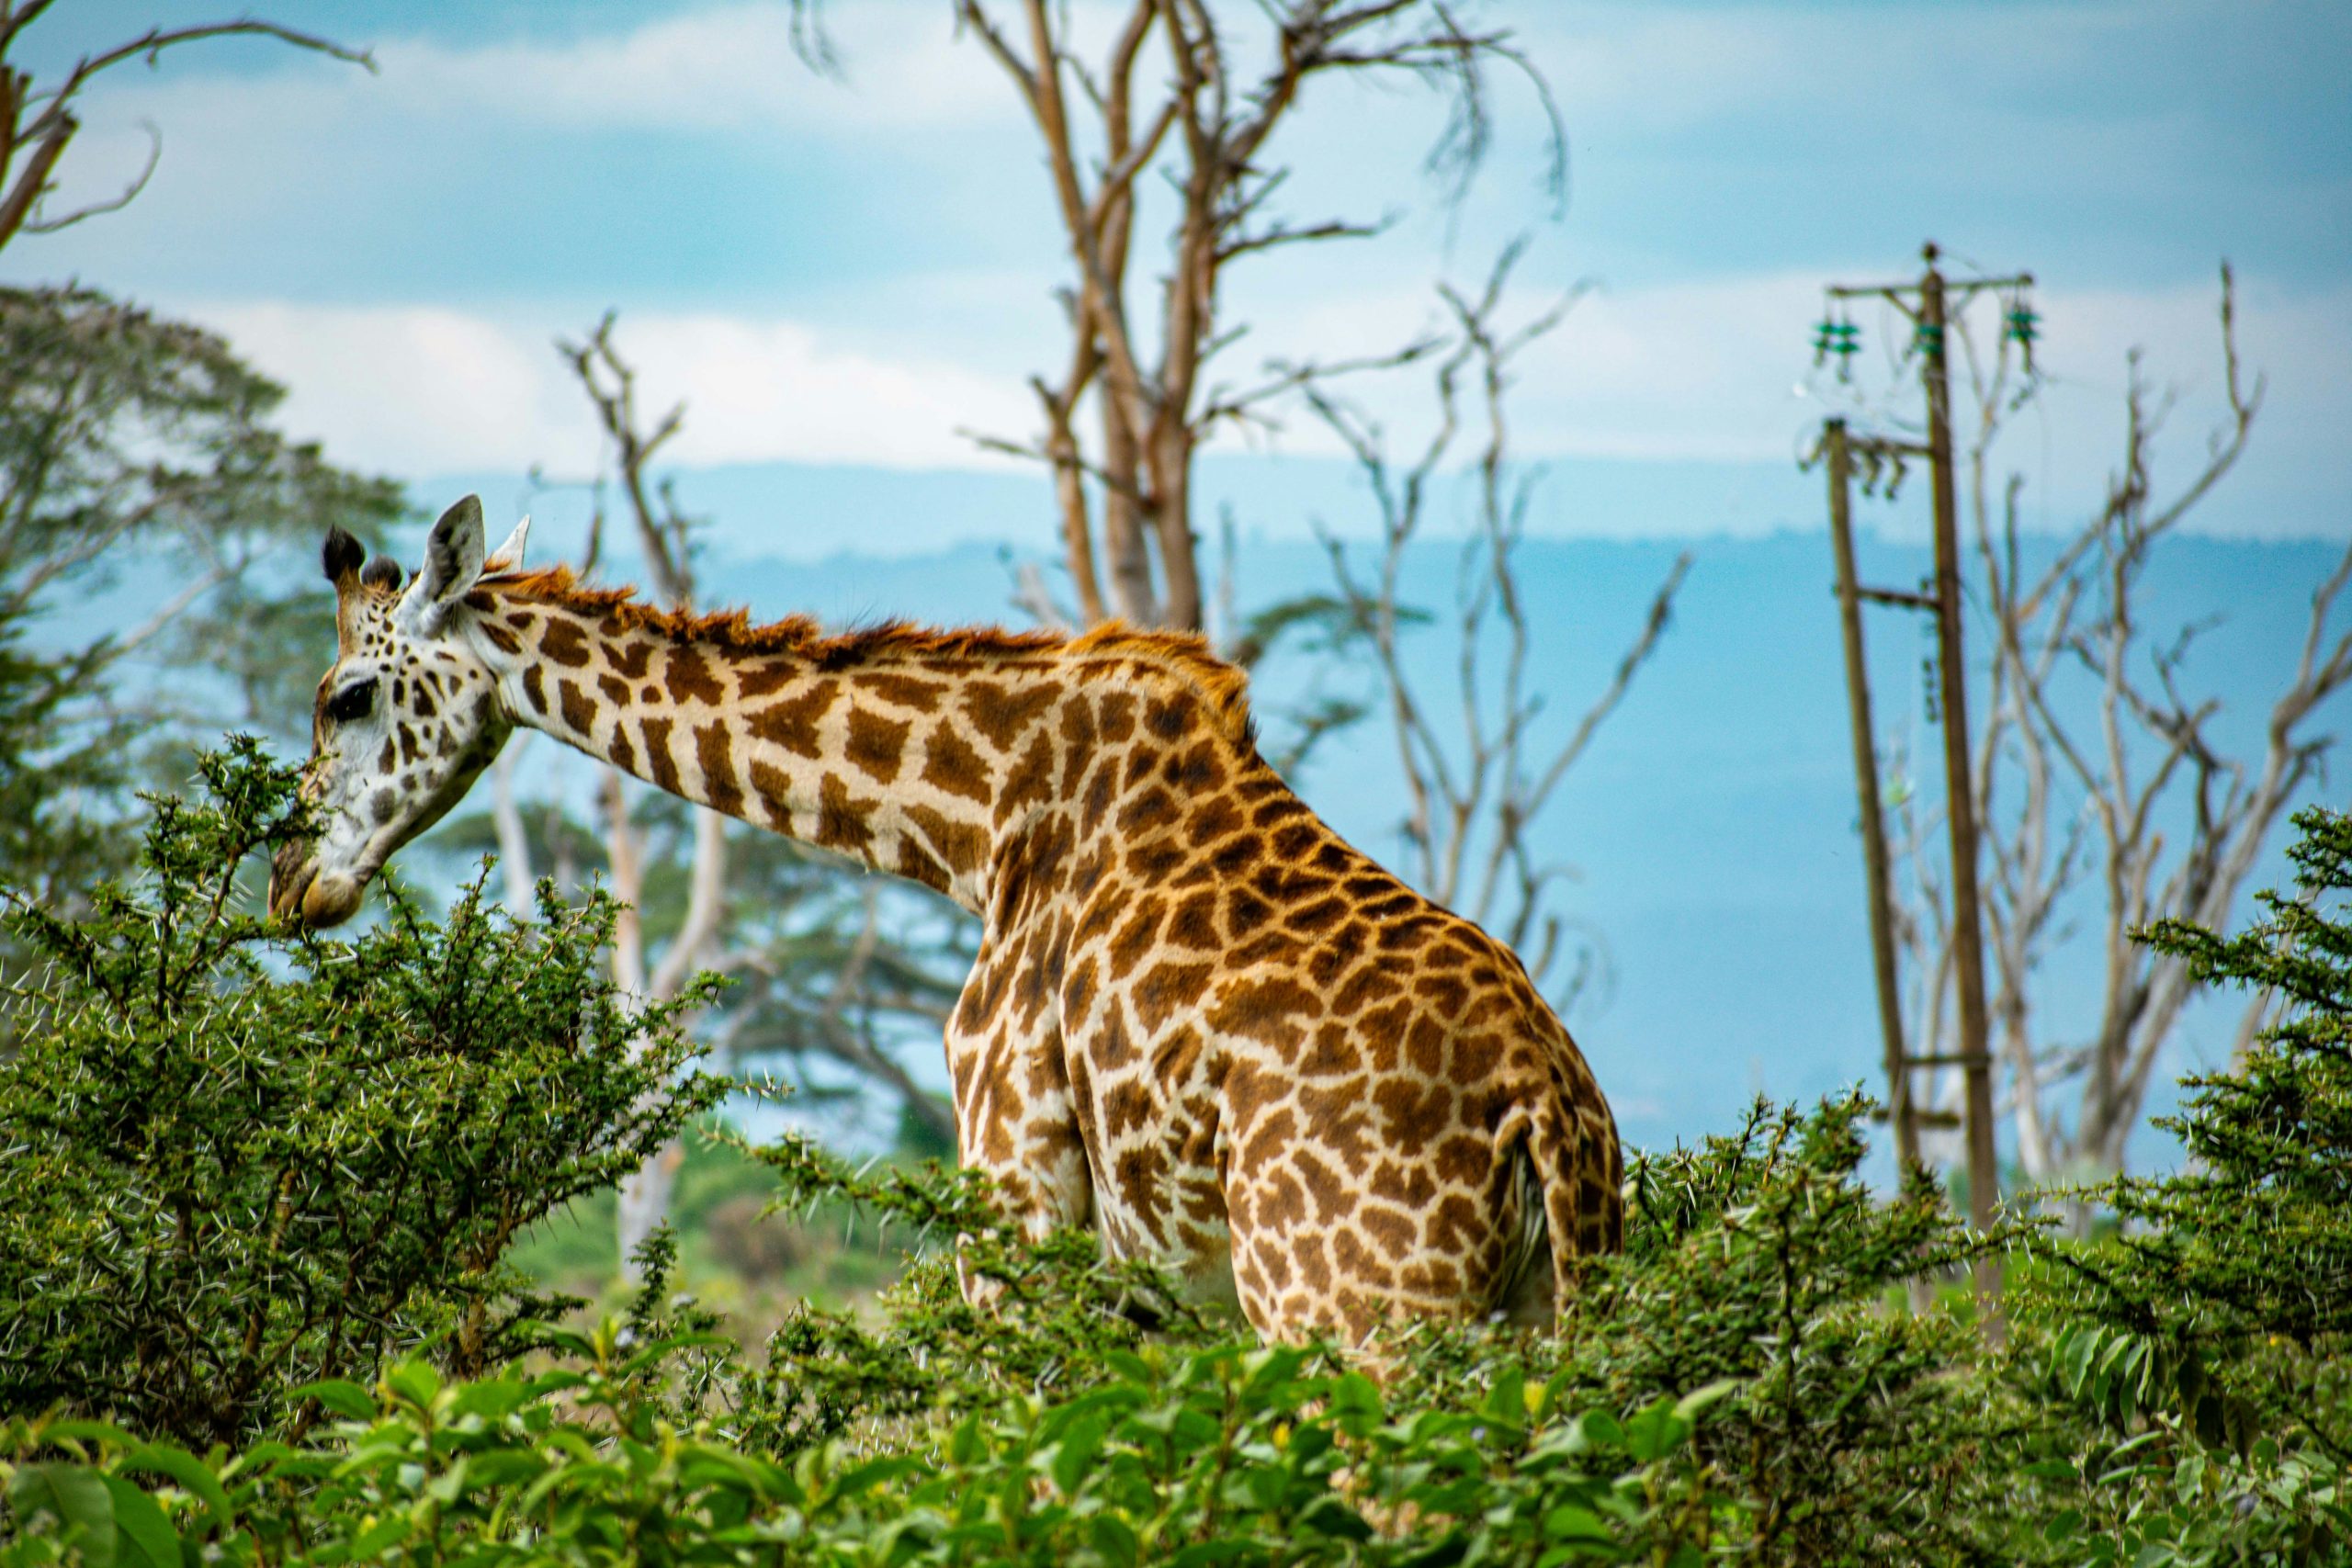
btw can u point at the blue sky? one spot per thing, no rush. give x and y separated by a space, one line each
848 274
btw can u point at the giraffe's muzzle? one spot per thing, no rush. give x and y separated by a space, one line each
299 889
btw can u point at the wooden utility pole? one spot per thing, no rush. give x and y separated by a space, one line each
1959 791
1927 304
1838 458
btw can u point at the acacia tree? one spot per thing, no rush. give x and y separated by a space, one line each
1191 98
122 436
2102 774
138 458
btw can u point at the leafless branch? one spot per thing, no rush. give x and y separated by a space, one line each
1124 490
611 385
41 118
1474 797
34 224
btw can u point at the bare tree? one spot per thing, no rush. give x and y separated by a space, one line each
1172 103
826 962
661 531
2103 782
1473 793
36 119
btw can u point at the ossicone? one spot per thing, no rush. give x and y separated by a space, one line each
342 556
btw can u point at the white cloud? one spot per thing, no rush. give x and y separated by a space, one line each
1719 371
409 388
1704 371
727 68
419 390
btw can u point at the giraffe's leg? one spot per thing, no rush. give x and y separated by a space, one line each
1015 1117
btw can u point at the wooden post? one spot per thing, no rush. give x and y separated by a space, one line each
1968 943
1839 461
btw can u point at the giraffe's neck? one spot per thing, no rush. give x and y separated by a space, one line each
920 754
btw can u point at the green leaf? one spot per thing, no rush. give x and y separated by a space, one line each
1506 1401
191 1472
2063 1526
450 1484
964 1443
77 1497
1115 1540
1076 1454
372 1542
1332 1517
492 1399
1690 1405
345 1398
1595 1429
555 1337
872 1473
88 1431
1655 1431
1356 1394
413 1382
1570 1521
144 1532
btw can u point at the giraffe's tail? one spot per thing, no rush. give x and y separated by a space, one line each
1579 1170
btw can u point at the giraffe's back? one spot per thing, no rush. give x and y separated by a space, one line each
1289 1075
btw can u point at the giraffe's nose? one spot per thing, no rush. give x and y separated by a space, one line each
302 888
291 871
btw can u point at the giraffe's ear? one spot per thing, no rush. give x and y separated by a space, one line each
453 557
508 557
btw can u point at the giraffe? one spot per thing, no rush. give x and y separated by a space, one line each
1199 1022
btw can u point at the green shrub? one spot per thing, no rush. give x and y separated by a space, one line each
1760 1265
1745 1382
750 1260
1060 1310
241 1157
2252 1240
2208 1343
1232 1455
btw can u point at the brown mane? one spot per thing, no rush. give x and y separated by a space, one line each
1183 657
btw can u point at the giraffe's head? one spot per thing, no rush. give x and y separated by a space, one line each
406 718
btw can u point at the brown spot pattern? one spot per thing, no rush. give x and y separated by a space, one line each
877 746
1197 1018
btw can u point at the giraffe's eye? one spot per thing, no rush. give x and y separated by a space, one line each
353 701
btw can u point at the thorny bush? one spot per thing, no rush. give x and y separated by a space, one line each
239 1157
